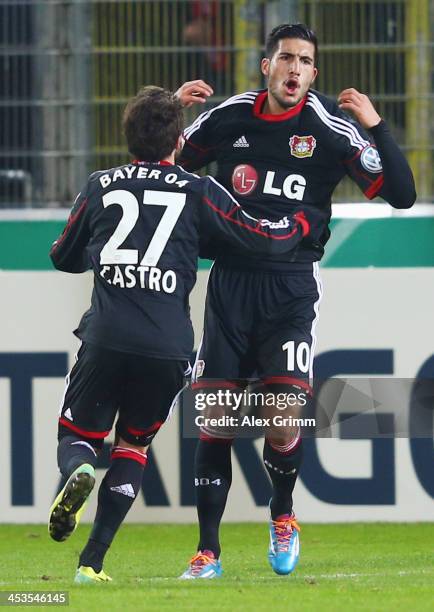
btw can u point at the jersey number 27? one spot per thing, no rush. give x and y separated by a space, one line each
174 203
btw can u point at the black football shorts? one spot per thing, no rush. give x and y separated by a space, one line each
259 323
104 383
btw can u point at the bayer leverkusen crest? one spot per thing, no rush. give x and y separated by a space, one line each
302 146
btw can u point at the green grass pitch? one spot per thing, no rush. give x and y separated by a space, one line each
369 567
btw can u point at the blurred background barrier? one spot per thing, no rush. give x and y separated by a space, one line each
67 68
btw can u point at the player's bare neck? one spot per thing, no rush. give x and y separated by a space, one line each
272 107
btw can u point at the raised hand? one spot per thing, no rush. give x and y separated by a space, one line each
194 92
360 106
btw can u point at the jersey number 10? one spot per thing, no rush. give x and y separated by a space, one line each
297 359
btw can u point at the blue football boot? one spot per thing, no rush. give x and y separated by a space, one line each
284 544
203 565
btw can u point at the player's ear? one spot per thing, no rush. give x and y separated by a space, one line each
265 66
315 74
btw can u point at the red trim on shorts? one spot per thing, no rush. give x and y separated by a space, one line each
286 380
127 454
141 432
83 432
216 384
206 438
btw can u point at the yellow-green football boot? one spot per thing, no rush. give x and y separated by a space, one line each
68 506
87 575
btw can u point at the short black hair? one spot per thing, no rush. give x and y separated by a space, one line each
152 123
290 30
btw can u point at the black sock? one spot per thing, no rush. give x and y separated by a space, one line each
283 470
72 451
116 495
93 555
213 477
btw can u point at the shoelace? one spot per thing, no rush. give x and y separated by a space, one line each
198 562
284 530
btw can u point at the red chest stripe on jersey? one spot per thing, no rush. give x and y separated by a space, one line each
374 188
247 227
260 101
303 222
231 212
72 219
84 432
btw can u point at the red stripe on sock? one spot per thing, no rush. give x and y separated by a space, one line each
286 452
126 454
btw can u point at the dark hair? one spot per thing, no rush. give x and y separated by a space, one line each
152 123
288 30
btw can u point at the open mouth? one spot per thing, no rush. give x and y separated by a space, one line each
292 85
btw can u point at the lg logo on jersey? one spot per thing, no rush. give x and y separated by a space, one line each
245 180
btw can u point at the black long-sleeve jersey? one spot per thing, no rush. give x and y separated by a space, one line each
139 228
272 163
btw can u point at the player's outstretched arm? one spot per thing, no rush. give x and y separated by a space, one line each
68 252
398 186
222 218
193 92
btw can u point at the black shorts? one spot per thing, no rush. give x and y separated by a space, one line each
104 383
259 324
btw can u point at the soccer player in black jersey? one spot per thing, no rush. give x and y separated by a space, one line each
138 227
276 148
